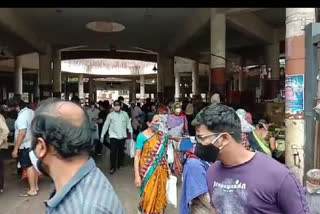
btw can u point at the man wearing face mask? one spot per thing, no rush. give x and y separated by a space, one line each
61 147
242 181
313 190
93 114
117 124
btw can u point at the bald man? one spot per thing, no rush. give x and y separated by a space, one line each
61 148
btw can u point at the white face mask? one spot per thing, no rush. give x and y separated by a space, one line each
34 160
312 188
178 110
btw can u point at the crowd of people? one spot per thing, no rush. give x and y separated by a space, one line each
227 163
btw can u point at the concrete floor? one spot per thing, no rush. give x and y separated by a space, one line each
122 181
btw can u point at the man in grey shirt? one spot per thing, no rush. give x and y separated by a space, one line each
61 147
313 190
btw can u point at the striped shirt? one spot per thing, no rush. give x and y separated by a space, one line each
88 192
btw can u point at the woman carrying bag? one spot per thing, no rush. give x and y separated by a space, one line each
151 167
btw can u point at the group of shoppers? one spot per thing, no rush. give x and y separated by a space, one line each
221 174
224 172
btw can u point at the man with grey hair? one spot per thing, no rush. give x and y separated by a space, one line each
313 190
60 149
243 181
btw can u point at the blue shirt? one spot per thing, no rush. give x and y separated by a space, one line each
194 182
88 192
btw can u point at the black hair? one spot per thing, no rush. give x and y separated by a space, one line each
121 98
16 101
221 118
66 138
106 102
117 102
75 99
148 118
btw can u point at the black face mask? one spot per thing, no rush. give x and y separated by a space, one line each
207 153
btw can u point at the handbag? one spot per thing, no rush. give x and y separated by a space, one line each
177 166
130 148
171 190
170 154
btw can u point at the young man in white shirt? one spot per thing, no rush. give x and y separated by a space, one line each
117 124
23 141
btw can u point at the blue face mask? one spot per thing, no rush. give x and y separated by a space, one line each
155 127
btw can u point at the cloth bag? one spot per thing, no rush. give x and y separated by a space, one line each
130 148
170 152
171 190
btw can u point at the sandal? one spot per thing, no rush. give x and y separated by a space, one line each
27 189
27 194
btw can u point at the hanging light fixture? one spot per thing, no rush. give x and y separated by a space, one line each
154 68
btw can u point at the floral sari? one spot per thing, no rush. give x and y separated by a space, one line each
153 170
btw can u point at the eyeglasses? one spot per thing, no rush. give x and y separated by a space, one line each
201 139
204 137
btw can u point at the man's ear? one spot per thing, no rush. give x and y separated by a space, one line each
42 147
224 138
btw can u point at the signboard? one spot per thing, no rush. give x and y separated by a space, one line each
294 92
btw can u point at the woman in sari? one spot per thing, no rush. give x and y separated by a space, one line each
151 167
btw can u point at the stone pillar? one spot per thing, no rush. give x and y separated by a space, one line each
242 81
92 94
18 80
177 86
57 73
36 87
272 54
66 94
142 88
195 79
133 92
296 20
169 80
160 77
81 88
45 76
218 47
